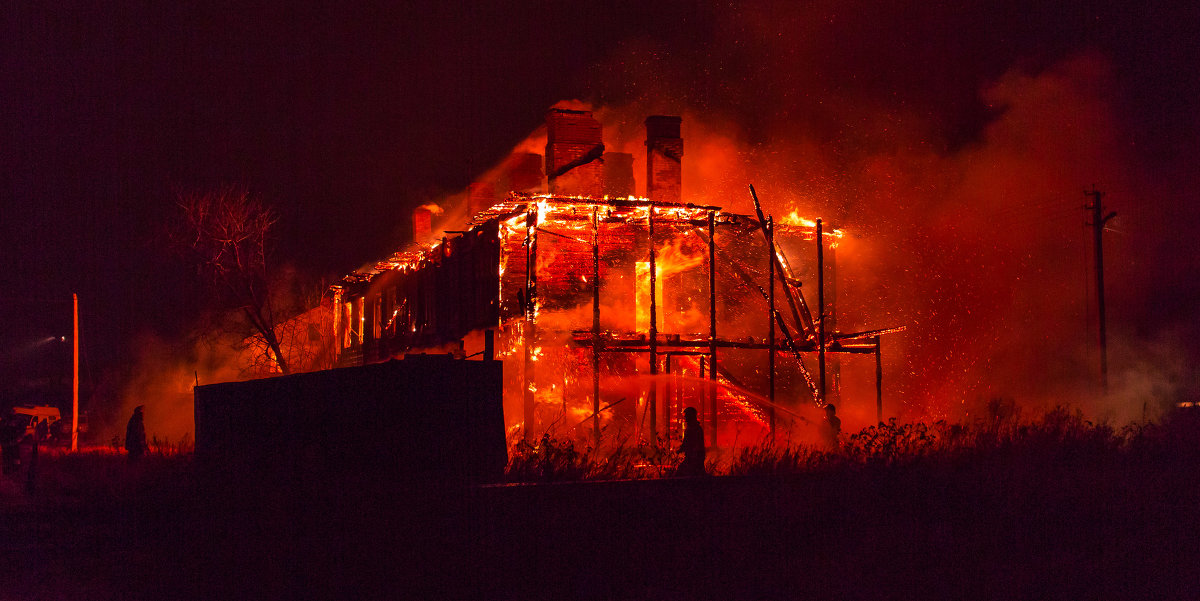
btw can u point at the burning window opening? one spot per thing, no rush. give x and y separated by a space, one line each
594 298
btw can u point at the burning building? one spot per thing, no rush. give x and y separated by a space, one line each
612 312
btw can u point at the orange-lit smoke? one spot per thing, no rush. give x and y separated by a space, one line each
162 378
163 374
980 250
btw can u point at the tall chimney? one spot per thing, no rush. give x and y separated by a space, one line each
422 224
664 153
618 174
574 151
480 196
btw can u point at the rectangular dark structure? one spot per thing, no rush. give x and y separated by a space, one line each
427 418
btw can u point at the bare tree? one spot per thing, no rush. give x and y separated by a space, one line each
304 342
226 232
305 336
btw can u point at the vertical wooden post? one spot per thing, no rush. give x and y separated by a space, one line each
528 399
667 398
652 400
770 229
698 387
833 370
456 311
878 382
596 325
1098 221
821 308
712 326
75 374
339 333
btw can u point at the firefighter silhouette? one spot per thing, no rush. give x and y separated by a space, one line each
11 432
693 445
831 429
135 435
40 432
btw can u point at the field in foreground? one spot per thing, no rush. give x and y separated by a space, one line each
1058 509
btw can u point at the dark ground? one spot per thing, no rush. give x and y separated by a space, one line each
1065 525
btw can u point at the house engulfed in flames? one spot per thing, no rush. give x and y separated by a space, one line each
552 274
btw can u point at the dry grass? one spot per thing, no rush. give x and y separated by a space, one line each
554 460
98 475
1062 435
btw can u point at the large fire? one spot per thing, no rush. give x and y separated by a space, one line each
609 307
576 316
612 312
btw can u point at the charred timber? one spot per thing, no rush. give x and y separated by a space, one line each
788 340
779 268
712 324
641 344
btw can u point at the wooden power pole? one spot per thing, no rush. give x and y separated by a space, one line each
1098 221
75 373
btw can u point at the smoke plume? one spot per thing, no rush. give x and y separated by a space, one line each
974 238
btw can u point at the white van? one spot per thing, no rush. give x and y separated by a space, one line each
30 416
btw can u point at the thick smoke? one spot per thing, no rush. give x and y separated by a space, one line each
955 149
956 162
976 243
221 348
162 379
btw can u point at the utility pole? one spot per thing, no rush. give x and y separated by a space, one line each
75 374
1098 221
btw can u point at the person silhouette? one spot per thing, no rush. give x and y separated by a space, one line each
832 428
135 435
693 445
40 432
11 432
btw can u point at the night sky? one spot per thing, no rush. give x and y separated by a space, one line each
345 117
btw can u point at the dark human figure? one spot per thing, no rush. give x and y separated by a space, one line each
40 432
11 432
832 428
58 432
135 435
693 445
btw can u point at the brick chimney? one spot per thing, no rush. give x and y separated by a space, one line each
664 153
422 224
480 196
574 151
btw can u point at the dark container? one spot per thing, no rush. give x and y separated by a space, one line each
426 419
